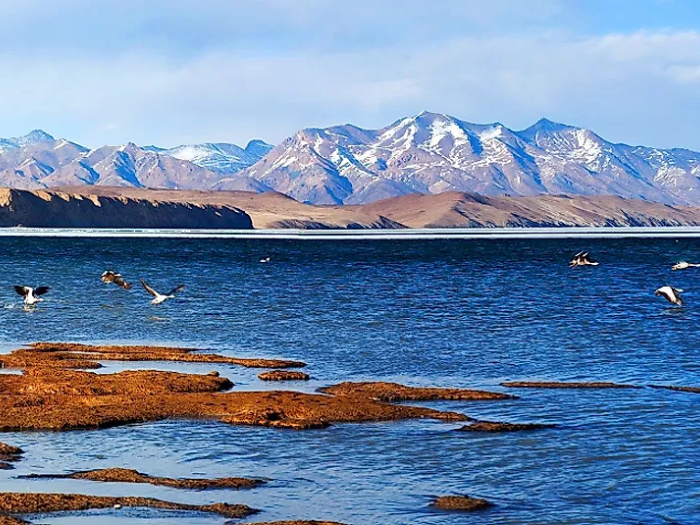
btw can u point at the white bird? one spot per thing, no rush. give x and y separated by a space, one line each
158 297
31 295
684 265
265 260
671 294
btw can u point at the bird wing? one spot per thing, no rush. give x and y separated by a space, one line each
119 281
177 289
41 290
149 289
22 290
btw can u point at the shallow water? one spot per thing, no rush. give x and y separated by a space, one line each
446 313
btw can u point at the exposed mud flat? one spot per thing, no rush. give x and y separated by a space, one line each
461 503
13 503
81 356
393 392
284 375
499 426
558 384
52 399
122 475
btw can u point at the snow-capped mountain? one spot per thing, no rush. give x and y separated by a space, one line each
38 160
434 153
428 153
226 158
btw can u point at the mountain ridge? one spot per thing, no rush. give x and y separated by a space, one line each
429 153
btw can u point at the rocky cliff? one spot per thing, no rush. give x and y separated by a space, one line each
58 209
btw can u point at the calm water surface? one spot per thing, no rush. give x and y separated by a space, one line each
444 313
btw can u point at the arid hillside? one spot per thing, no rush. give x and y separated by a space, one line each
111 207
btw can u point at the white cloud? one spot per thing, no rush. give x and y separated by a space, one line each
635 87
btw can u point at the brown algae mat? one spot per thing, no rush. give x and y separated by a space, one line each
283 375
393 392
55 399
76 356
461 503
12 503
123 475
563 384
499 426
8 455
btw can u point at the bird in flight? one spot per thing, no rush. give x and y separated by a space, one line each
158 297
31 295
684 265
582 259
671 294
108 276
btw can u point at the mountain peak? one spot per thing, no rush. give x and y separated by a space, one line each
33 137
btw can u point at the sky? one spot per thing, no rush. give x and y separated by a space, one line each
169 72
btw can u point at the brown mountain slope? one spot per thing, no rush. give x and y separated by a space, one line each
100 206
56 209
463 210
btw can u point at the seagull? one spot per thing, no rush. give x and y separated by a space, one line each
159 298
265 260
581 259
108 276
671 294
31 295
684 265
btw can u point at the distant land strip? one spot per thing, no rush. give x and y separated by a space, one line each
120 211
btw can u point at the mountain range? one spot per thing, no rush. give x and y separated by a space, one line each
428 153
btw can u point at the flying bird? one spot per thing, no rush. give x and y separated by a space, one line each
158 297
671 294
108 276
582 259
31 295
684 265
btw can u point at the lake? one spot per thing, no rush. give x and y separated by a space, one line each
458 313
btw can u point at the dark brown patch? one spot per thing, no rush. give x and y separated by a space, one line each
123 475
557 384
690 389
283 375
497 426
392 392
461 503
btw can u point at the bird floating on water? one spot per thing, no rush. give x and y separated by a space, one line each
265 260
108 276
582 259
159 297
671 294
31 295
684 265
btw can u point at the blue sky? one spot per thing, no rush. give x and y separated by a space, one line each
178 71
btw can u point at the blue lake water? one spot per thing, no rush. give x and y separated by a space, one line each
462 313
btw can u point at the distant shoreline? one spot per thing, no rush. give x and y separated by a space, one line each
341 234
